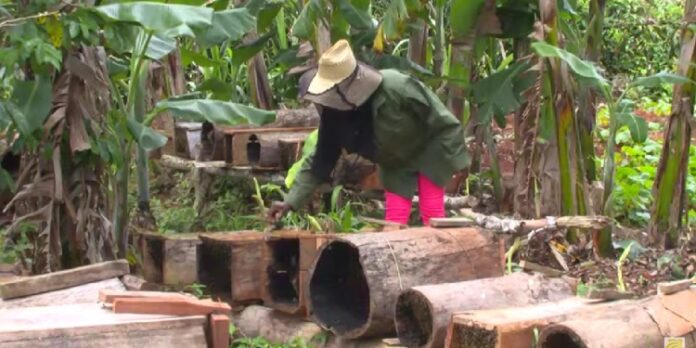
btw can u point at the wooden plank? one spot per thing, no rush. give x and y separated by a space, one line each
253 130
451 222
180 265
270 155
169 306
88 325
87 293
668 288
63 279
219 330
682 303
108 296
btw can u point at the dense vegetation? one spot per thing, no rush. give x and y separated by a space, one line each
594 98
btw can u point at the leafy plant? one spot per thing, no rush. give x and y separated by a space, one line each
619 267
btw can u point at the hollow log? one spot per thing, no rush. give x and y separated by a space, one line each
423 312
638 324
356 279
276 327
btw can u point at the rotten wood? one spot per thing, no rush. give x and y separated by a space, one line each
424 312
169 259
356 279
88 325
63 279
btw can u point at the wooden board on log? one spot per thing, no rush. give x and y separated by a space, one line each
357 278
513 327
89 325
87 293
423 312
63 279
169 306
668 288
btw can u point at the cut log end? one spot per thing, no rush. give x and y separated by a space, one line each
339 292
473 337
413 320
560 336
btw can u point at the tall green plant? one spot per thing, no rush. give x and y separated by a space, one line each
669 188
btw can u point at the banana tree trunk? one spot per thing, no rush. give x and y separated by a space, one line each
570 155
588 97
670 182
418 43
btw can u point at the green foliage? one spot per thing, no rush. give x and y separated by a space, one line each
19 247
641 37
307 149
260 342
215 111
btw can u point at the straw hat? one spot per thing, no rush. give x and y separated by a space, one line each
341 82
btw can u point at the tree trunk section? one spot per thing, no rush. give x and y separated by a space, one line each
424 312
356 279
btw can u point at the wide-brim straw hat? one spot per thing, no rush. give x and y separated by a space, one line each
341 82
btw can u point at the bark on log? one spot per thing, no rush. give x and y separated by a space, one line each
423 312
628 327
276 327
356 279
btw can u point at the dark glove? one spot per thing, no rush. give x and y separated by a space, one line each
277 211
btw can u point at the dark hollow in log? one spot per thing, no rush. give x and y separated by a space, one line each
338 289
356 280
152 250
214 269
283 272
424 312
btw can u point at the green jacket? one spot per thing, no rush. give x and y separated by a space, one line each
414 133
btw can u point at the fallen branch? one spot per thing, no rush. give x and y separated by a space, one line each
513 226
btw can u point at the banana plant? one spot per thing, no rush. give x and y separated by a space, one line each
669 188
620 114
166 22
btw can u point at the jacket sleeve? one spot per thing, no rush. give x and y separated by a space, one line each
304 186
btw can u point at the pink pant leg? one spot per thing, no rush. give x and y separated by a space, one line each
398 208
431 199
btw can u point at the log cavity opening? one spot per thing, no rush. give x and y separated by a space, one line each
562 339
283 271
339 294
473 337
414 321
214 267
155 250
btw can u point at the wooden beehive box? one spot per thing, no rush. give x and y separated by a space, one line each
289 257
169 259
236 141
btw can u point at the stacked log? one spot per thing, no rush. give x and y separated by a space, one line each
356 279
424 312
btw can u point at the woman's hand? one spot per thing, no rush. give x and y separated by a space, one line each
277 211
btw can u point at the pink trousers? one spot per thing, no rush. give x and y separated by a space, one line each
431 203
